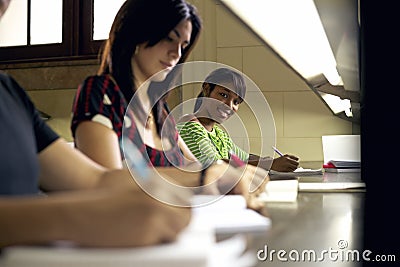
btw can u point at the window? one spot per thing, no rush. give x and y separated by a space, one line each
104 13
55 29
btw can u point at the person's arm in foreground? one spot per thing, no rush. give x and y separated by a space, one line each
103 208
114 218
222 178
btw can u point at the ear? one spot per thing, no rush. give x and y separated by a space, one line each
206 89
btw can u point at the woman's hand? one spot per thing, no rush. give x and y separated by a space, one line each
251 185
128 218
248 180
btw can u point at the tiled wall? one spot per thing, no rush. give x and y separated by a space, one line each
299 115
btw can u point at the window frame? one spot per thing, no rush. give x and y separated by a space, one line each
76 43
87 45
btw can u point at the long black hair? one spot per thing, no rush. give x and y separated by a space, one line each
137 22
218 77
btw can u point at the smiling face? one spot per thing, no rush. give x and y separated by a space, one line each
164 55
221 103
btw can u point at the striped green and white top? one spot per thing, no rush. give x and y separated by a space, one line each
206 145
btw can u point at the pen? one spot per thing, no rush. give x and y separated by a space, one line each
277 151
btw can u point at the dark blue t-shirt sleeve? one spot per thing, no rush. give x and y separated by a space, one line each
44 135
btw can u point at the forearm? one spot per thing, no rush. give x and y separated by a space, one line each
78 217
263 162
76 173
58 174
107 217
188 177
31 221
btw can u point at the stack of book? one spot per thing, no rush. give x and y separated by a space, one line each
342 166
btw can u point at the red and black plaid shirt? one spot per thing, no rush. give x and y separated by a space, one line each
99 95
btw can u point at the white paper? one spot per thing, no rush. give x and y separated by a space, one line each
331 186
232 252
280 191
181 253
341 147
195 246
228 215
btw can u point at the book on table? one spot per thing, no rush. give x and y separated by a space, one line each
339 166
333 187
342 153
300 171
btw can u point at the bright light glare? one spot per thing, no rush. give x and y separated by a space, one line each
46 23
13 24
294 30
337 104
104 14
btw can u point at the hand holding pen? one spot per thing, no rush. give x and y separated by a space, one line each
285 163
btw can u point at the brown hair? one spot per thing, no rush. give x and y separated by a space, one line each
127 31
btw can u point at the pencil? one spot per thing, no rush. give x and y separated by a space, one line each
277 151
